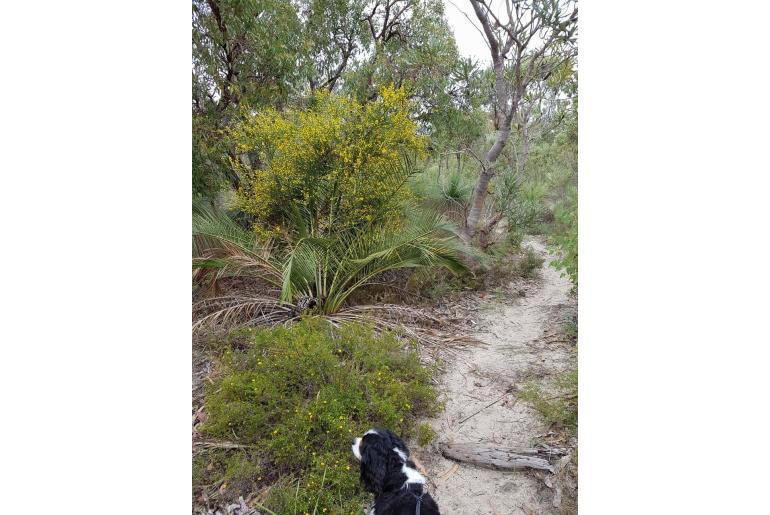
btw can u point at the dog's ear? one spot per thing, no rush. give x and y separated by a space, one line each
397 442
374 466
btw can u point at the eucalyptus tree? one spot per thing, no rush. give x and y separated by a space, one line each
244 53
331 40
251 54
405 42
544 107
244 50
460 122
535 37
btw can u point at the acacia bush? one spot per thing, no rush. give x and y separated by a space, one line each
294 397
326 202
337 160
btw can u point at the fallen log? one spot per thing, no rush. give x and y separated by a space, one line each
502 458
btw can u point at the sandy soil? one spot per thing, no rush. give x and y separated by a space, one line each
516 330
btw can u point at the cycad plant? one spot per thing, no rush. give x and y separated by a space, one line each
312 272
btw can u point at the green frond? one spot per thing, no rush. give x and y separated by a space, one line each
327 268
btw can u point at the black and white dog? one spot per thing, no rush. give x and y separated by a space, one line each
388 473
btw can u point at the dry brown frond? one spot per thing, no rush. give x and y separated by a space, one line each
414 323
226 312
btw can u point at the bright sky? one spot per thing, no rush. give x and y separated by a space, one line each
470 42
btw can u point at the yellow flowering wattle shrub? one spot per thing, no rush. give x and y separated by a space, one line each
339 162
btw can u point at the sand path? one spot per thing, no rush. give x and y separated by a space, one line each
516 351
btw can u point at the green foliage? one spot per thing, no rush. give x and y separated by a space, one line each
332 36
457 189
425 434
412 46
447 193
339 162
556 400
296 397
326 268
528 263
503 264
460 122
567 241
244 52
209 158
522 205
570 329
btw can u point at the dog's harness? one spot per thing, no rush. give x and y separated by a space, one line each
419 499
417 506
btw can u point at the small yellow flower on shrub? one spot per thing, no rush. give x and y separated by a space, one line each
356 145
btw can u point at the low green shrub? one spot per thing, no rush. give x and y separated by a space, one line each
570 329
566 240
528 263
556 399
503 264
425 434
295 397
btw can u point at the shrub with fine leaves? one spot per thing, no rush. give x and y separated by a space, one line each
341 161
294 399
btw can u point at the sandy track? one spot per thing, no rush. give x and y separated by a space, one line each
516 351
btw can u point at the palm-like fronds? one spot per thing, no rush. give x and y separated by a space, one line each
314 273
222 247
426 241
239 309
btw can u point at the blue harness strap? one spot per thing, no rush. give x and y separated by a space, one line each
419 502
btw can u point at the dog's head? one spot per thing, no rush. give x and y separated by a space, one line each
383 457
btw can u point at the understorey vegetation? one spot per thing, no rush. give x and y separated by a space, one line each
285 404
556 399
350 171
329 214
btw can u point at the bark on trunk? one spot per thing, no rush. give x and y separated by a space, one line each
503 118
482 186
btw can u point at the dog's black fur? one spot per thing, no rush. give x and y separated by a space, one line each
382 474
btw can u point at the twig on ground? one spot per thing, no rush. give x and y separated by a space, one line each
448 473
223 445
509 390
